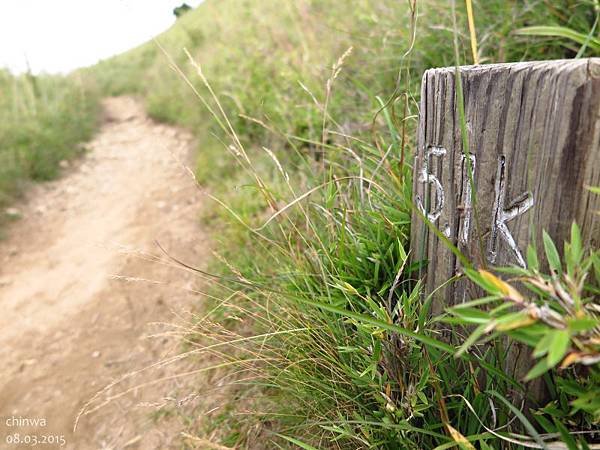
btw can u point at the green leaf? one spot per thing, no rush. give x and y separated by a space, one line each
472 315
484 282
474 337
515 320
584 324
576 244
596 263
537 370
532 259
574 251
589 402
562 32
566 436
544 423
551 253
543 346
385 107
477 302
530 335
297 442
561 341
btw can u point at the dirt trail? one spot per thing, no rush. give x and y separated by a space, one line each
79 286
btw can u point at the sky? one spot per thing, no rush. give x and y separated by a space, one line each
57 36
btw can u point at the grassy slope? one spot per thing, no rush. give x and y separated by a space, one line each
320 282
42 119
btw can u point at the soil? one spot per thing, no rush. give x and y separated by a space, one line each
82 283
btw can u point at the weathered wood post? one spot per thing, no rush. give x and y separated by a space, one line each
534 145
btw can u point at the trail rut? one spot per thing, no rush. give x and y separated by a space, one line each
81 280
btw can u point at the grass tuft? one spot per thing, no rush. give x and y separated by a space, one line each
42 121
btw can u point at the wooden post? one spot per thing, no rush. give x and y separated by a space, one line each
534 145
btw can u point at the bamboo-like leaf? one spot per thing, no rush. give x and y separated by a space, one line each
478 278
501 286
532 259
515 320
540 368
560 344
576 244
551 253
475 335
585 323
543 346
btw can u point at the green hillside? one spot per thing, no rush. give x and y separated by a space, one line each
305 114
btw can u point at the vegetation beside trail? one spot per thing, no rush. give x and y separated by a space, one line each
306 113
42 121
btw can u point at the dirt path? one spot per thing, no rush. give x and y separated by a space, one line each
79 286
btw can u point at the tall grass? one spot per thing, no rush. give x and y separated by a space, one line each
306 112
42 121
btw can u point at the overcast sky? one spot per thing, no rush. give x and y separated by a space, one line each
61 35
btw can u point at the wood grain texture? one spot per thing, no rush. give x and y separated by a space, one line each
534 140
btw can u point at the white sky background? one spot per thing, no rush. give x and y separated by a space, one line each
57 36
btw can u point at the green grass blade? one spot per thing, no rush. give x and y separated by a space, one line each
560 32
297 442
